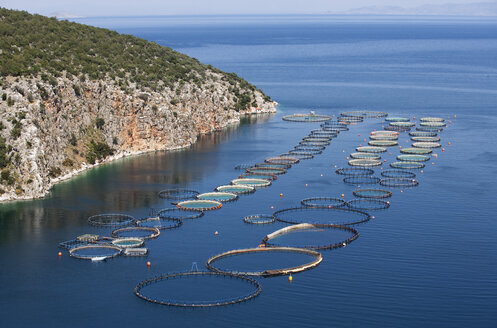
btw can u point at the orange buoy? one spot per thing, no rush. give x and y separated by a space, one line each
384 161
149 264
389 153
281 195
306 184
60 253
402 191
290 278
262 245
432 163
216 233
347 159
400 147
359 134
443 149
421 171
343 195
449 143
272 207
388 202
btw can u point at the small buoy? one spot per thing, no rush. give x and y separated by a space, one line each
216 233
290 278
388 202
306 184
454 116
344 244
435 155
272 207
281 195
60 253
347 159
389 153
343 195
329 206
384 161
359 134
359 186
262 245
449 143
443 149
421 171
372 217
402 191
450 122
322 174
360 145
400 147
149 264
432 163
364 139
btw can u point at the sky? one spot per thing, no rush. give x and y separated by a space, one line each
89 8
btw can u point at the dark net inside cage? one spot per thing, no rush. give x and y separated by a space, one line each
372 193
111 220
368 204
160 223
361 180
254 175
176 213
300 155
323 202
306 118
282 160
309 147
198 289
95 252
398 174
280 166
399 182
365 114
136 232
305 150
311 236
355 171
178 194
322 215
259 219
397 128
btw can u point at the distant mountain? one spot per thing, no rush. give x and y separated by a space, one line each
451 9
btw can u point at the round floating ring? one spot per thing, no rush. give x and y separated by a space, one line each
416 151
365 162
111 220
199 205
314 143
433 124
399 182
269 177
361 180
371 149
354 171
362 155
300 155
179 214
413 158
426 145
336 126
426 139
160 223
323 202
316 138
95 252
307 226
368 204
177 194
276 166
429 128
403 124
255 183
238 189
306 118
397 119
291 215
259 219
183 275
128 242
365 114
267 273
383 137
218 196
350 119
398 174
305 152
407 165
397 128
266 170
384 133
431 119
309 148
383 143
282 160
372 193
422 134
147 232
324 133
242 166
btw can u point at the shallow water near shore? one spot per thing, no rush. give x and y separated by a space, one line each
429 260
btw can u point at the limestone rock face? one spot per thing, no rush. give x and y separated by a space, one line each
48 129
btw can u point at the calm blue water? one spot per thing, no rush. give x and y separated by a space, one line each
428 261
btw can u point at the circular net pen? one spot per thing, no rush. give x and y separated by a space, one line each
314 143
361 180
332 126
371 149
177 194
301 155
254 183
266 170
214 265
199 205
365 114
398 174
397 119
426 139
365 162
111 220
136 232
306 118
384 133
160 223
219 196
383 137
322 216
212 283
399 182
323 202
276 166
413 158
402 124
431 119
422 134
397 128
426 145
259 219
372 193
362 155
269 177
368 204
297 236
305 150
282 160
350 119
383 143
433 124
179 214
429 129
416 151
355 171
236 189
309 148
332 131
128 242
325 133
407 165
314 138
95 252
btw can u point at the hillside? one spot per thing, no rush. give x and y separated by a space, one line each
73 96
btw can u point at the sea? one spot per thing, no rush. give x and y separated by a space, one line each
429 260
